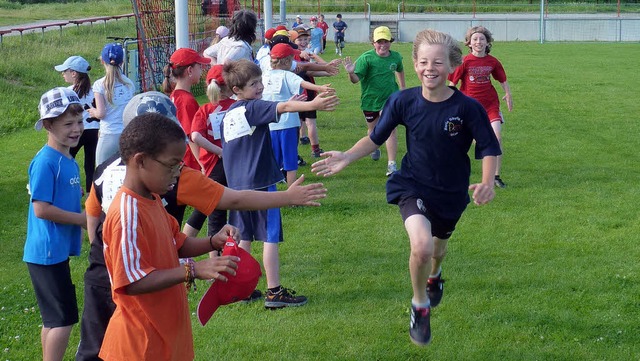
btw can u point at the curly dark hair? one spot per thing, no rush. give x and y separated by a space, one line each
243 26
149 133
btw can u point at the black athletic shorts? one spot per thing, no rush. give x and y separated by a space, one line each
55 293
440 227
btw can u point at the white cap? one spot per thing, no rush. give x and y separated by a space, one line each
76 63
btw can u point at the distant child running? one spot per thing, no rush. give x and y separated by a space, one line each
250 164
185 68
339 28
55 218
280 84
475 81
112 92
431 188
325 28
377 70
75 71
142 243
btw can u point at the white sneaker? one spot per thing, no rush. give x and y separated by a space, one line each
391 168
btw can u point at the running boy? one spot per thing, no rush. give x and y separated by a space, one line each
55 218
475 81
431 188
250 164
339 27
142 243
377 71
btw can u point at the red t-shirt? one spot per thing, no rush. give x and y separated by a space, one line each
475 79
324 26
202 123
187 106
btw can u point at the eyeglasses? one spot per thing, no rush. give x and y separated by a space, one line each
172 168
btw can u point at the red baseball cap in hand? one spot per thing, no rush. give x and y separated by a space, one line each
237 287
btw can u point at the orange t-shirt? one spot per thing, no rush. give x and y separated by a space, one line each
141 237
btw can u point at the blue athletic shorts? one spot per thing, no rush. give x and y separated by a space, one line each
285 148
263 225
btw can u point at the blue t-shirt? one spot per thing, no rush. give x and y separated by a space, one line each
315 39
55 179
436 166
249 162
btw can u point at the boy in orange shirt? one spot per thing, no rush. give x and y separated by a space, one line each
142 243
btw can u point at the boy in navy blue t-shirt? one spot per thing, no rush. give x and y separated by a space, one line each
339 27
431 188
55 218
250 164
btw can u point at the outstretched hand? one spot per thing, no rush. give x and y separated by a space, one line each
306 195
326 101
482 193
349 66
332 163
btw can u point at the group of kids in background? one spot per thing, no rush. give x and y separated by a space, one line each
157 153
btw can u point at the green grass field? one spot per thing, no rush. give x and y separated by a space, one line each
548 271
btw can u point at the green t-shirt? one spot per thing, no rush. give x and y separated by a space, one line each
377 78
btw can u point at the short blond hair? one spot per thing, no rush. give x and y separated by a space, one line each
482 30
434 37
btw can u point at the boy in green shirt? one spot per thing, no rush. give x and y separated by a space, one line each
377 71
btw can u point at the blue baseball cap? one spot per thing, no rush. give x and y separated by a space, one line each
76 63
113 54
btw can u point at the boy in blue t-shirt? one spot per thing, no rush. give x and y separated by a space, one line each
339 27
55 218
250 164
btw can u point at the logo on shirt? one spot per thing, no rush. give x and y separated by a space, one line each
393 67
74 181
453 126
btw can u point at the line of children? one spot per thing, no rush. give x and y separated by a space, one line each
75 71
191 188
432 187
250 164
377 70
475 75
55 219
112 93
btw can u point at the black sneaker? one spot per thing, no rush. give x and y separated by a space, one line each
255 295
435 289
420 326
499 183
284 298
317 154
305 140
301 161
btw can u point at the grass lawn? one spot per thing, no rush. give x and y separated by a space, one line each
548 271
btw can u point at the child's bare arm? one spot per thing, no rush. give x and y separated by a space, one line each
92 227
52 213
484 192
201 141
507 95
350 67
297 194
317 88
334 161
210 268
400 78
324 101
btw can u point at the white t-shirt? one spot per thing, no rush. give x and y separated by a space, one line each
122 93
281 85
229 49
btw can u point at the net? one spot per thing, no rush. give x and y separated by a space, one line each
156 30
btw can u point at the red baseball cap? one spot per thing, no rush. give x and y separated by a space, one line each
237 288
187 56
215 73
269 33
281 27
280 51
